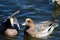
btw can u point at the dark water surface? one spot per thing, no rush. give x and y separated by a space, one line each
38 10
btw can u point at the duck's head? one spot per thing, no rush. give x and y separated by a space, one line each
9 22
58 2
11 30
28 22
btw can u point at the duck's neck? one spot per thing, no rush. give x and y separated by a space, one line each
31 25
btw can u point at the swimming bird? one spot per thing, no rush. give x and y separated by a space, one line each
41 29
10 27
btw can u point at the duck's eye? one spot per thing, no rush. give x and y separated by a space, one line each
28 21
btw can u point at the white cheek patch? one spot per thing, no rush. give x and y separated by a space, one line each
12 21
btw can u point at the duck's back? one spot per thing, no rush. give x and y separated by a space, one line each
41 26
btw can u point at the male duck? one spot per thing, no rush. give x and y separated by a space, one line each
41 29
10 27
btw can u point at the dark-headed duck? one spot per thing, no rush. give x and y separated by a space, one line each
10 27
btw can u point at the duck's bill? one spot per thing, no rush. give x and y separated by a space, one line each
24 23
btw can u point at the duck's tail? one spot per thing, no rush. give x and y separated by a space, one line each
54 22
53 25
49 30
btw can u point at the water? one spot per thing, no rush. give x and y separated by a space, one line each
38 10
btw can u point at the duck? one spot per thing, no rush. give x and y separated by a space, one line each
10 27
41 29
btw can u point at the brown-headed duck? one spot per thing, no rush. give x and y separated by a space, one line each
40 29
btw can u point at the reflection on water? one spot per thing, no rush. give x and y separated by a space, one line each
38 10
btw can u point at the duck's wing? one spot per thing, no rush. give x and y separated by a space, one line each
54 25
45 25
48 26
42 26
